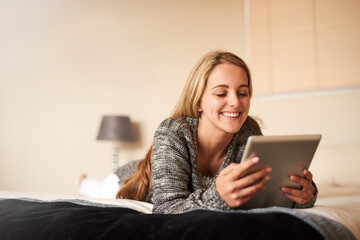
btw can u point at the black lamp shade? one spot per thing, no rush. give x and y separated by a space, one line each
116 128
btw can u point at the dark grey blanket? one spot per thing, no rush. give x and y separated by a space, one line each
25 219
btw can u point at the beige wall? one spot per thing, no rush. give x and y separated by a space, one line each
304 45
64 64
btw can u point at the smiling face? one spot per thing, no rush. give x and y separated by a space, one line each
225 102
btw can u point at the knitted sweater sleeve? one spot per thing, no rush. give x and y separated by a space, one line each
171 176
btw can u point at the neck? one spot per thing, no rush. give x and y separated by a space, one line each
213 143
212 149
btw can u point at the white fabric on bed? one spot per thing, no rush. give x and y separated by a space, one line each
100 188
132 204
341 204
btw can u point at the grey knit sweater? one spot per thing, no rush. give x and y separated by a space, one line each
177 185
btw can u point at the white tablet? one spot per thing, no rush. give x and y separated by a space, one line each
286 155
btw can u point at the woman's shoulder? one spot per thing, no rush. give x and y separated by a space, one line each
184 128
251 126
178 123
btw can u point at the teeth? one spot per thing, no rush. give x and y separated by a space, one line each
226 114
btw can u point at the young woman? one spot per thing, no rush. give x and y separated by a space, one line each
194 160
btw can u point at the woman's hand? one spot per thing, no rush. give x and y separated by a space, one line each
307 191
235 188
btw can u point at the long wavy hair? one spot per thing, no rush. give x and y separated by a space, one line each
138 185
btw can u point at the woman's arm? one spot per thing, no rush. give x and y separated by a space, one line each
171 176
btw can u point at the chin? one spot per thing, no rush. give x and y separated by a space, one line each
233 130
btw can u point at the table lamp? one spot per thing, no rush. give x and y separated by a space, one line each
116 129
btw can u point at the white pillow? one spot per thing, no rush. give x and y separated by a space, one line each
96 188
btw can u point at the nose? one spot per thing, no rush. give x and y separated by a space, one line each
234 100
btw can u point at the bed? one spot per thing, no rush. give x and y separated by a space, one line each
336 215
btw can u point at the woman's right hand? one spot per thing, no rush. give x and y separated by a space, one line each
235 187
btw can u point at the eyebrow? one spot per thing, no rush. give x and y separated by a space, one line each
226 86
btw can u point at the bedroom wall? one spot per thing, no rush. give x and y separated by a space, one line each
64 64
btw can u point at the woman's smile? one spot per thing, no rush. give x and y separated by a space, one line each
231 115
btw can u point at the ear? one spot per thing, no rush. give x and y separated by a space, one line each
199 108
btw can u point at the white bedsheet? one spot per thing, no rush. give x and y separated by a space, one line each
136 205
341 204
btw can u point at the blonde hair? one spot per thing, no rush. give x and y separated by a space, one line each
139 184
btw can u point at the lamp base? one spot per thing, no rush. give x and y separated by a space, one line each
114 159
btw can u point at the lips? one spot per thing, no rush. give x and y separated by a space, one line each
231 114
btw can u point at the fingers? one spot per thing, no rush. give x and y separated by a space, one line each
237 188
299 196
297 199
235 196
229 168
304 182
242 167
308 175
306 193
253 178
253 189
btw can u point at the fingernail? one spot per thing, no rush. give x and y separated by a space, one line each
255 159
269 169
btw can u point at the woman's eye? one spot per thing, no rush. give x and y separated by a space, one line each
221 94
243 94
